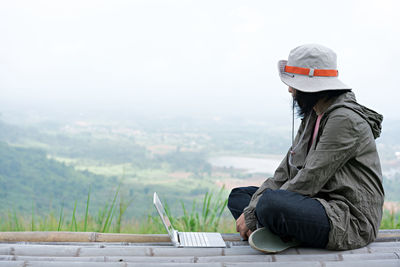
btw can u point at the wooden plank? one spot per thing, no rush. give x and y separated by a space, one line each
387 263
80 237
388 235
12 264
385 244
102 264
150 251
276 264
380 263
47 236
134 238
374 256
73 251
383 236
54 250
364 250
161 244
69 251
384 263
371 263
224 259
79 244
61 264
295 258
5 250
260 258
185 259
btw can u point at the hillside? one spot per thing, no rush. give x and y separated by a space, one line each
28 179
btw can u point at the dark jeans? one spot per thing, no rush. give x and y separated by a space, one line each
286 214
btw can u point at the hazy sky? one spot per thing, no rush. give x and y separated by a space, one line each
189 56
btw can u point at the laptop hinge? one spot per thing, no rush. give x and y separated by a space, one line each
176 240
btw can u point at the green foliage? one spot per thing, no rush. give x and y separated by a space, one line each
103 222
208 216
86 212
390 220
73 222
110 214
209 219
28 176
61 220
206 219
123 205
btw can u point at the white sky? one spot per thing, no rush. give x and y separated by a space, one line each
189 56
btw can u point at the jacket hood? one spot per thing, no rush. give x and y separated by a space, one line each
348 100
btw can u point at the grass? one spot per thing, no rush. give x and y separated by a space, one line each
207 216
390 220
207 219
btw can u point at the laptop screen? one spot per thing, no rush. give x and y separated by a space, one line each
161 211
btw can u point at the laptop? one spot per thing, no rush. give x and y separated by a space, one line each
187 239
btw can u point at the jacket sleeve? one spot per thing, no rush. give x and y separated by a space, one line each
337 144
280 177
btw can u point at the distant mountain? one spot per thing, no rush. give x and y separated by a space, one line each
28 179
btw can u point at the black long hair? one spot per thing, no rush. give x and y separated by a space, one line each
304 102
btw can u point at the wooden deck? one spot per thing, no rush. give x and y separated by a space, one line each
68 249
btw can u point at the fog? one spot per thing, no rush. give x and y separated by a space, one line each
187 57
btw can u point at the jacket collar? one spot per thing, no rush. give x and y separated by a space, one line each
322 105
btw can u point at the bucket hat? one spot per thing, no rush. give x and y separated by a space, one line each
311 68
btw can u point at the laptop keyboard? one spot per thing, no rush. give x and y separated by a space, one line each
193 239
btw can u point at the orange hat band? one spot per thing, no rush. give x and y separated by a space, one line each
311 72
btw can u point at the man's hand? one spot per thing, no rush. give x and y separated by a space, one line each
242 228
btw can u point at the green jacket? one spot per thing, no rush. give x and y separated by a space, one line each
341 170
